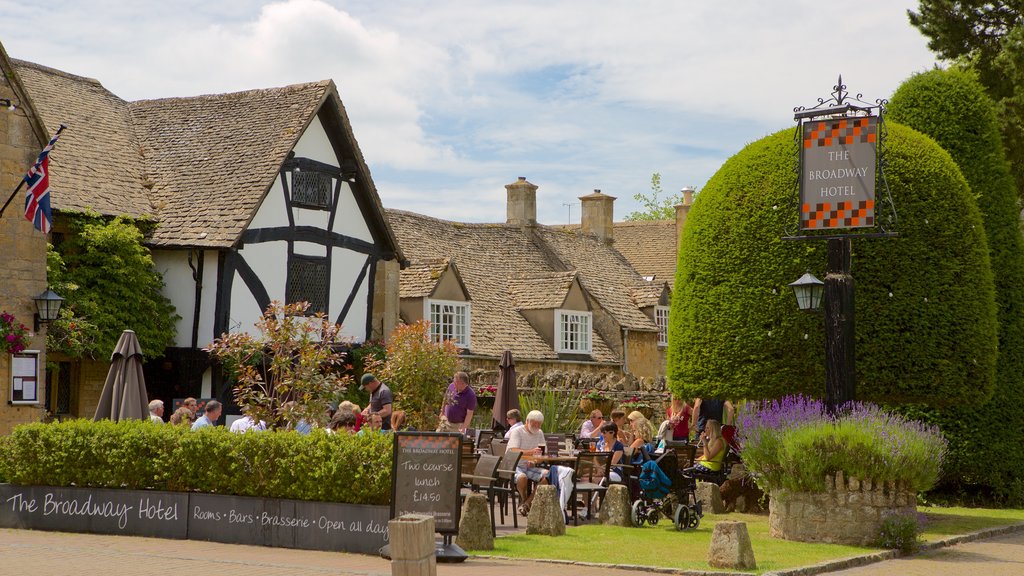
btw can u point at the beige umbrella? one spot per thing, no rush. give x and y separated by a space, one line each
124 393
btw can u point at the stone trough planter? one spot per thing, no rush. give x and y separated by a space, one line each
849 511
194 516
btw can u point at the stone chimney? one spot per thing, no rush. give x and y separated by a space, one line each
597 216
521 207
681 211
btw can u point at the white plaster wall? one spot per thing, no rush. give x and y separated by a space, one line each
180 288
269 261
315 145
273 212
345 267
348 220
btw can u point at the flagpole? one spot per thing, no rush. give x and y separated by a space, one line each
22 183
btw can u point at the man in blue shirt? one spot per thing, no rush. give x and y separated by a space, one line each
213 409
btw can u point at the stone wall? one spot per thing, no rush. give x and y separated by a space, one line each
23 274
575 376
849 511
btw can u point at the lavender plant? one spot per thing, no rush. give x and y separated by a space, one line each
793 443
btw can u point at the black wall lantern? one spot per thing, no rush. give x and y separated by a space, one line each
47 307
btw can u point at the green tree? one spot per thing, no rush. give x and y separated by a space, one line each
952 107
292 358
989 37
926 318
655 207
418 371
116 287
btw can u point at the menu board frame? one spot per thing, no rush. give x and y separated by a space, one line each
426 477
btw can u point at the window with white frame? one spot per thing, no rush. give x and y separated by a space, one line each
449 320
661 319
572 331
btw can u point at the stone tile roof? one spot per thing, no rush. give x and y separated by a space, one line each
200 165
100 140
648 294
491 257
539 291
650 246
212 159
604 273
419 278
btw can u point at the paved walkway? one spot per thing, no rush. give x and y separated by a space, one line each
40 553
999 556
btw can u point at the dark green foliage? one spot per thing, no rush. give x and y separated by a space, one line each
989 38
141 455
900 532
952 107
117 287
735 330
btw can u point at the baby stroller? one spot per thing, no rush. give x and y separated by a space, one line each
663 487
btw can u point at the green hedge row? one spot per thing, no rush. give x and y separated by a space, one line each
952 107
140 455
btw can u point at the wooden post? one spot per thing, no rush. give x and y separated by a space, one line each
840 359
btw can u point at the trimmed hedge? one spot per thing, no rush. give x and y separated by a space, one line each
140 455
952 107
926 319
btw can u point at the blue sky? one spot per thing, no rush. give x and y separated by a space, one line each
451 100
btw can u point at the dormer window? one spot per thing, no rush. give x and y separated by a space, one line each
449 320
572 331
661 319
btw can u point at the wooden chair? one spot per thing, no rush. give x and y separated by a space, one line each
590 478
505 487
484 477
483 439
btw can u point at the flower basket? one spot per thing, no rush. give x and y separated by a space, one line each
588 405
485 396
636 404
13 334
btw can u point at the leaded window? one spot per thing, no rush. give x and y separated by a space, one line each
449 321
308 281
572 331
311 189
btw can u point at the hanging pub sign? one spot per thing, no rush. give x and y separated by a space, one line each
837 176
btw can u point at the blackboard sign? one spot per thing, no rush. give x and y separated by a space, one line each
426 477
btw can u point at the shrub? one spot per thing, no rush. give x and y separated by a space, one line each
139 455
925 308
900 532
952 107
793 443
561 409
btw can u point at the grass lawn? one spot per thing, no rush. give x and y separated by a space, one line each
663 546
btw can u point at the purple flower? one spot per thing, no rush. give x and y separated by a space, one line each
12 337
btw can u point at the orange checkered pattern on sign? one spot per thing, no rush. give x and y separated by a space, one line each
825 133
825 215
432 442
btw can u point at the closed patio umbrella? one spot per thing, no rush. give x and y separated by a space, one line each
507 396
124 392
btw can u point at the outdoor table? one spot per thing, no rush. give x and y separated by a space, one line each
546 461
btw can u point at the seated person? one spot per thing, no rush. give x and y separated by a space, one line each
514 419
609 432
528 439
592 426
398 421
714 449
643 435
343 422
373 424
618 416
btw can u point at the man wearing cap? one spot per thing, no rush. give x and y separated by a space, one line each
380 400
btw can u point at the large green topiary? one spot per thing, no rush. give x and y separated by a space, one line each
952 107
926 327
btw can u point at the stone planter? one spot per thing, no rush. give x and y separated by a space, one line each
849 511
587 406
647 411
211 517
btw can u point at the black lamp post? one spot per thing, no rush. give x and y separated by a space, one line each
47 307
837 292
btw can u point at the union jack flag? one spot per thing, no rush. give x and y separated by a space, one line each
37 196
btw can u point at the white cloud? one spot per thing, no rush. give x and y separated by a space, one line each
451 100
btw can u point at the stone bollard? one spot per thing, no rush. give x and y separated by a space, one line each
710 497
616 509
546 516
475 524
730 547
411 540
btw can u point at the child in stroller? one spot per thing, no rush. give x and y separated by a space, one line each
664 490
